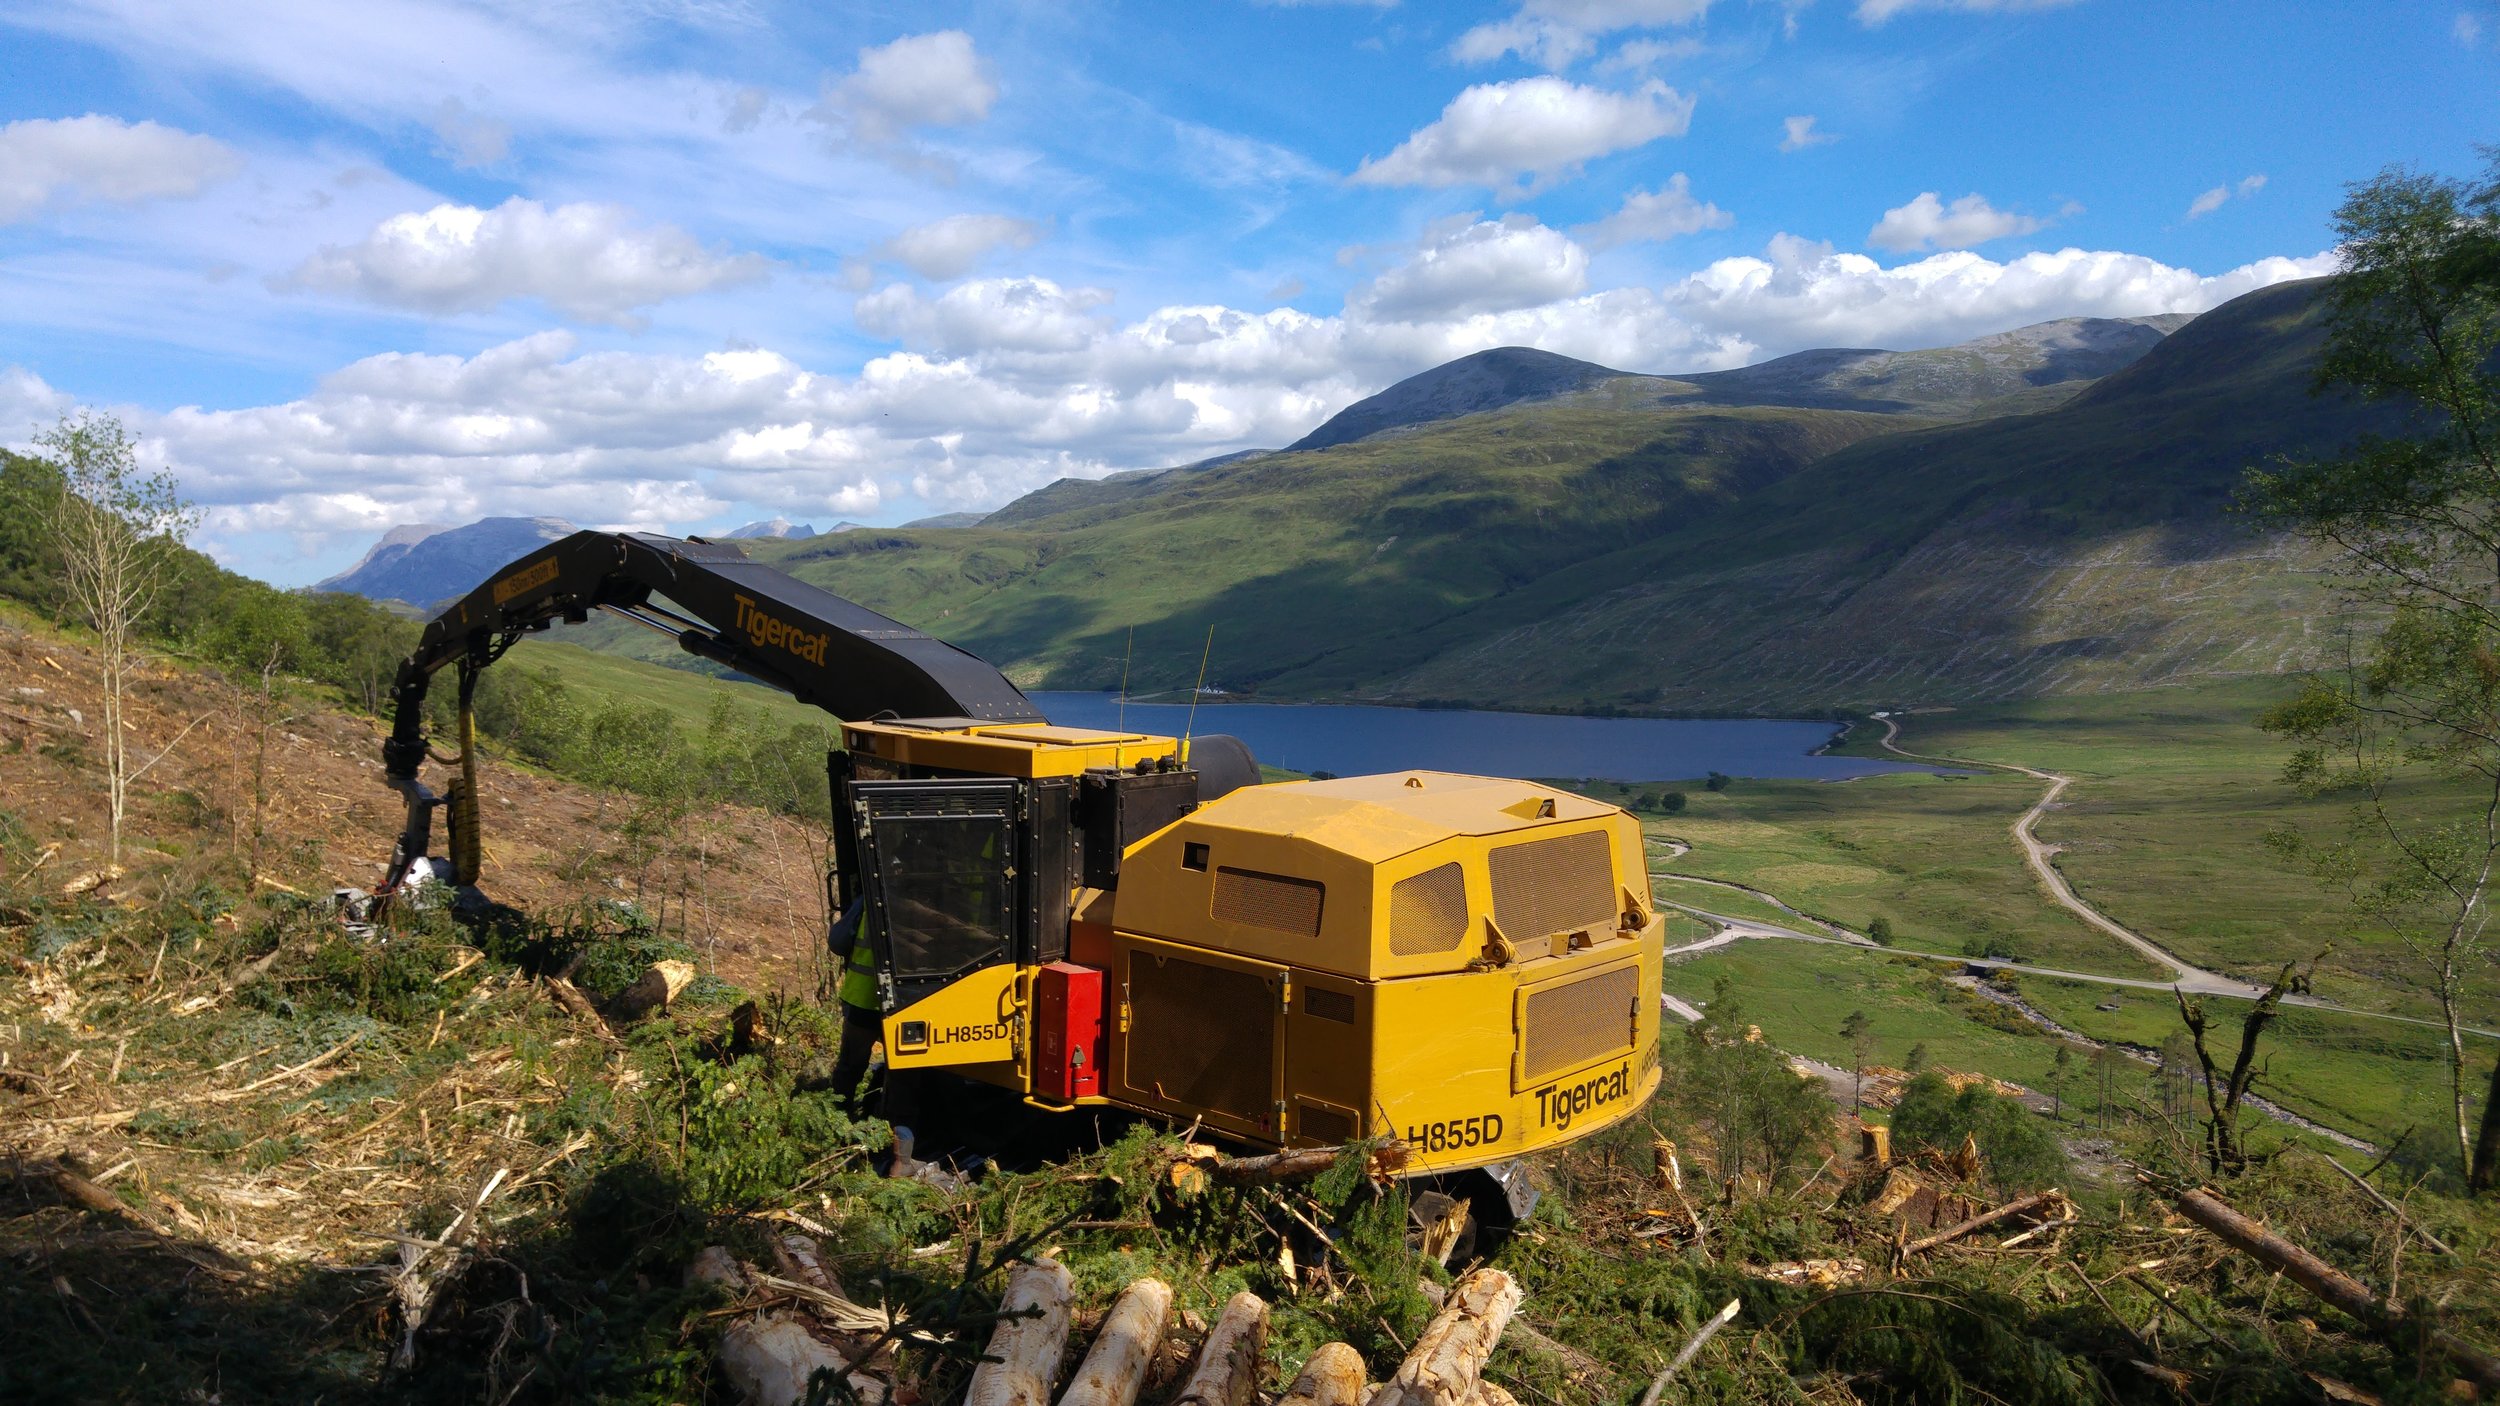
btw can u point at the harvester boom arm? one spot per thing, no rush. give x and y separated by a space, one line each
810 643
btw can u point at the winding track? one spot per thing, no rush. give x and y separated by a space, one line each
2194 980
2187 977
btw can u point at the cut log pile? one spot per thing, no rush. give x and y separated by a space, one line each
790 1326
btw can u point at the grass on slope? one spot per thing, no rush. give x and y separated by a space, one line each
1711 898
1799 993
689 696
2375 1078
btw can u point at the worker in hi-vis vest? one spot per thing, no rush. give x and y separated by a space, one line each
861 1023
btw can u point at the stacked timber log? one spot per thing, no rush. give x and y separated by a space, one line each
769 1355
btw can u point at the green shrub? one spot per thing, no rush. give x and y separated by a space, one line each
2018 1151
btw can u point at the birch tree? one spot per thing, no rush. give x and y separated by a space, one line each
118 528
2409 725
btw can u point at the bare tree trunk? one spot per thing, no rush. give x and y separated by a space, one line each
1032 1331
1227 1373
1448 1361
1114 1370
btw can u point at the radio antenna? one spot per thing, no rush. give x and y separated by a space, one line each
1191 725
1124 663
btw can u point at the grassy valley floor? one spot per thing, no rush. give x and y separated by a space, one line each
2164 829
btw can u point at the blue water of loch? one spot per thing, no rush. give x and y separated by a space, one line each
1354 741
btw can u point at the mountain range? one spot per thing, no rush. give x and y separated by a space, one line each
2044 510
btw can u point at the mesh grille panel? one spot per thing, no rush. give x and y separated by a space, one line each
1206 1036
1324 1124
1579 1021
1276 902
1563 884
1428 913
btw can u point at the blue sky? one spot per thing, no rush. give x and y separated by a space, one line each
678 264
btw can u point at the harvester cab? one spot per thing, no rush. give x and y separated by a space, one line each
1088 918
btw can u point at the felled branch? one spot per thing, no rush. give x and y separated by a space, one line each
2332 1285
1692 1349
1201 1165
578 1006
2051 1200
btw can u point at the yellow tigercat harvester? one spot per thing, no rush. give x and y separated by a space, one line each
1091 918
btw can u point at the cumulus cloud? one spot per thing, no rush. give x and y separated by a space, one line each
471 139
51 162
988 315
997 386
1520 137
949 248
1465 266
1558 33
2219 196
589 262
920 80
1929 223
1797 133
1801 294
1649 217
1875 12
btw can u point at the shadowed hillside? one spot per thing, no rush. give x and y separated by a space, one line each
2087 548
1608 548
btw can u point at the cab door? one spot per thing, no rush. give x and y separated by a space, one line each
938 865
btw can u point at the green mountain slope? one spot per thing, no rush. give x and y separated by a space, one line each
1292 557
2084 548
1616 547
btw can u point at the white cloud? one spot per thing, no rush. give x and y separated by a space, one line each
1002 385
586 261
1558 33
1929 223
986 315
1801 294
51 162
1653 216
920 80
949 248
1465 266
2216 198
1797 133
2467 29
1643 55
1520 137
471 139
1874 12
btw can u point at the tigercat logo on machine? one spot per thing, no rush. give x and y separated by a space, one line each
764 631
525 582
1558 1104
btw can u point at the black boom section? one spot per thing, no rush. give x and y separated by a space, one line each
810 643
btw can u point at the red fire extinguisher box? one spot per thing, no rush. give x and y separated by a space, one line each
1067 1032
